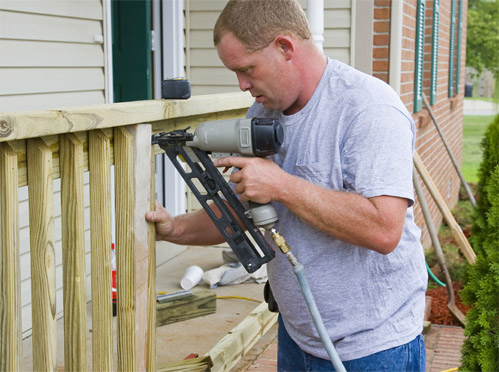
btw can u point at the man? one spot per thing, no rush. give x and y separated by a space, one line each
342 187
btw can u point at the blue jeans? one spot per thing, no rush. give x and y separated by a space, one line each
408 357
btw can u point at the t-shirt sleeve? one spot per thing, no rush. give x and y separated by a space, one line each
377 153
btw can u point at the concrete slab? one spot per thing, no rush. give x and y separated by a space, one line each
199 335
479 108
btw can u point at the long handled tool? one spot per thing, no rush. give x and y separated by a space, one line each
451 305
449 151
456 231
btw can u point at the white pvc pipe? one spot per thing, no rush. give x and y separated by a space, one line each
315 15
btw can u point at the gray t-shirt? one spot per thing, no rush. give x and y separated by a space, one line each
354 135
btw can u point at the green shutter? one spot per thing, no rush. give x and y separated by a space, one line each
434 51
418 70
452 47
131 21
459 39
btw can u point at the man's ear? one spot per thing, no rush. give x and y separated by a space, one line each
286 46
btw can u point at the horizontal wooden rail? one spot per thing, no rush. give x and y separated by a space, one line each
22 125
164 115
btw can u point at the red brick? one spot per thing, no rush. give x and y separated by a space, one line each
381 26
380 66
382 13
381 39
381 52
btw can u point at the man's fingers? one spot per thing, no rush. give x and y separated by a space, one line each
236 161
156 215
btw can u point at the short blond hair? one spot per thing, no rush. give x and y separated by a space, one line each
256 23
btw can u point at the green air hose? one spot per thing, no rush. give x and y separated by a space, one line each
433 276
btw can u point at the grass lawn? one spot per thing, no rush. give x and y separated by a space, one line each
473 129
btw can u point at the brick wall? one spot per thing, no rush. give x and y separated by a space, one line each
448 111
381 39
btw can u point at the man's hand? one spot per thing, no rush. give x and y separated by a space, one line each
257 180
194 228
163 221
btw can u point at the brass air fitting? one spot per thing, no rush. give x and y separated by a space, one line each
280 241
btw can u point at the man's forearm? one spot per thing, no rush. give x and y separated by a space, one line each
374 223
194 228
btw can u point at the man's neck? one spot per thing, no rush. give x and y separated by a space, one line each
312 65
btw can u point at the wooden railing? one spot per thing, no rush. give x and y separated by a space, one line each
37 147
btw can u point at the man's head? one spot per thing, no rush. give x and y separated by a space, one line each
268 44
256 23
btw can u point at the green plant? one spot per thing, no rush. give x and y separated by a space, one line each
480 350
473 130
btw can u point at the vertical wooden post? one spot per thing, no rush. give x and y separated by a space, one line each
41 224
73 253
132 174
99 154
151 325
10 273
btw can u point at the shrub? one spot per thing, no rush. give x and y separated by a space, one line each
480 351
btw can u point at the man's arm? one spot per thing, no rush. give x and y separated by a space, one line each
187 229
375 223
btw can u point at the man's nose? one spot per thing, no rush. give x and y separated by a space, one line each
244 83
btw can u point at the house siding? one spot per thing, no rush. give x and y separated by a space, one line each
49 59
55 59
205 70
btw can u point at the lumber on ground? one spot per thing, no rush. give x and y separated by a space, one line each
199 304
201 364
230 349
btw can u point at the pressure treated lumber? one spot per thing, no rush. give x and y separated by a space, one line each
73 253
151 311
100 237
21 125
200 364
10 273
199 304
41 223
230 349
133 177
456 231
160 126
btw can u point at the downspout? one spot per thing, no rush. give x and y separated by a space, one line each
173 38
315 15
396 44
172 187
108 51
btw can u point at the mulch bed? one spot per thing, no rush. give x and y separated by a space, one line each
440 314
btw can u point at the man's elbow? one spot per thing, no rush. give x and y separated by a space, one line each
387 242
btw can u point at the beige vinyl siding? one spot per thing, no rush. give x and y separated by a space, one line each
205 70
50 54
338 29
50 59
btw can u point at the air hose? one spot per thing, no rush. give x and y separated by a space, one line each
433 276
309 298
